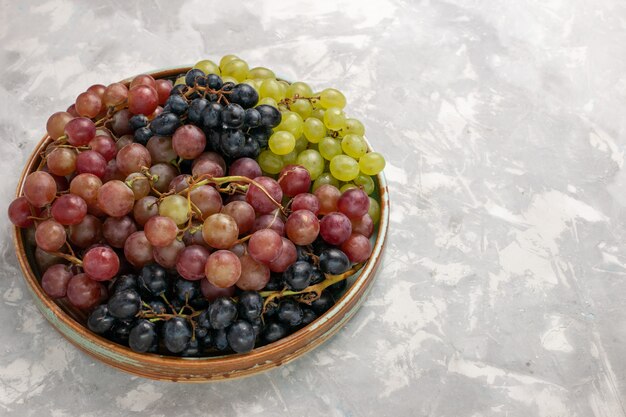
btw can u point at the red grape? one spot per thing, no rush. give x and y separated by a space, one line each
305 201
207 169
54 281
269 221
160 231
131 158
39 188
245 167
265 246
120 123
163 88
91 162
86 233
115 94
363 225
115 198
328 195
50 235
254 275
288 255
335 228
69 209
211 156
83 292
139 184
86 186
207 199
259 200
188 141
144 209
164 174
167 255
88 104
61 161
242 212
294 179
223 268
191 262
56 124
354 203
137 249
105 146
19 212
142 99
101 263
72 111
80 131
161 150
143 79
357 247
117 229
302 227
220 231
211 292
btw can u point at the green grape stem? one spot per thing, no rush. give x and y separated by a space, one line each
73 259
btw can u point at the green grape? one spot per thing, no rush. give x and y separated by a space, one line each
329 148
302 107
312 161
347 186
374 210
285 85
269 101
372 163
271 88
301 144
354 146
270 162
314 129
175 207
355 127
237 68
334 118
180 80
282 142
318 113
300 89
261 73
208 67
229 79
291 122
344 168
325 178
226 59
291 158
330 97
365 182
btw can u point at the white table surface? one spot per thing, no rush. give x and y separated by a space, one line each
503 286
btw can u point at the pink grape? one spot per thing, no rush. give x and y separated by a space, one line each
254 275
288 255
223 268
144 209
54 281
179 183
335 228
160 231
161 150
265 246
83 292
211 292
357 247
115 198
207 168
120 123
105 146
191 262
354 203
211 156
188 141
88 104
220 231
86 186
39 188
245 167
62 161
207 199
115 94
294 179
305 201
112 173
163 89
142 99
166 256
19 212
56 124
257 198
91 162
117 229
143 79
269 221
69 209
131 158
243 213
139 184
164 173
86 233
101 263
363 225
80 131
193 235
124 141
137 249
328 195
50 235
302 227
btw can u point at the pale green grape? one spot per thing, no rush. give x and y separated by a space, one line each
229 79
355 127
282 142
344 168
226 59
271 88
374 210
291 122
291 158
372 163
354 146
318 113
329 148
330 97
334 118
302 107
325 178
208 67
314 129
261 73
365 182
270 162
312 161
347 186
268 100
180 80
175 207
301 144
237 68
284 85
299 89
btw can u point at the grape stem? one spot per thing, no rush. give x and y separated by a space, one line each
312 292
72 259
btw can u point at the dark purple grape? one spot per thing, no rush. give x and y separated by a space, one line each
322 304
298 275
143 336
274 331
176 334
222 313
124 304
100 321
290 312
333 261
270 116
153 280
241 336
244 95
165 124
250 305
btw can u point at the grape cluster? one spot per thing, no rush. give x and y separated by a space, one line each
198 215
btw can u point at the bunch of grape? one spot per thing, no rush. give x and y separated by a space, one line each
196 216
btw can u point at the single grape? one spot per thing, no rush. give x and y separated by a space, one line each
160 231
56 124
242 212
294 180
220 231
269 221
314 129
144 209
80 131
162 175
357 248
312 161
302 107
272 89
211 292
245 167
236 68
88 104
374 210
39 188
241 336
188 141
161 150
328 196
372 163
354 203
282 142
83 292
120 123
50 235
254 275
163 88
101 263
142 99
354 127
244 95
365 182
334 118
131 158
223 268
363 225
259 200
91 162
302 227
19 212
270 162
344 168
291 122
166 256
117 229
164 124
191 262
333 261
185 290
104 145
265 246
137 249
62 161
124 304
288 255
143 79
69 209
86 233
115 94
274 331
176 334
290 312
306 201
143 336
100 321
335 228
354 146
175 207
54 281
222 313
115 198
330 97
324 303
139 184
270 116
207 66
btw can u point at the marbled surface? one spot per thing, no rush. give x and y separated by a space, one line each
503 285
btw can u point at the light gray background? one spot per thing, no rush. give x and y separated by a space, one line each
503 284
